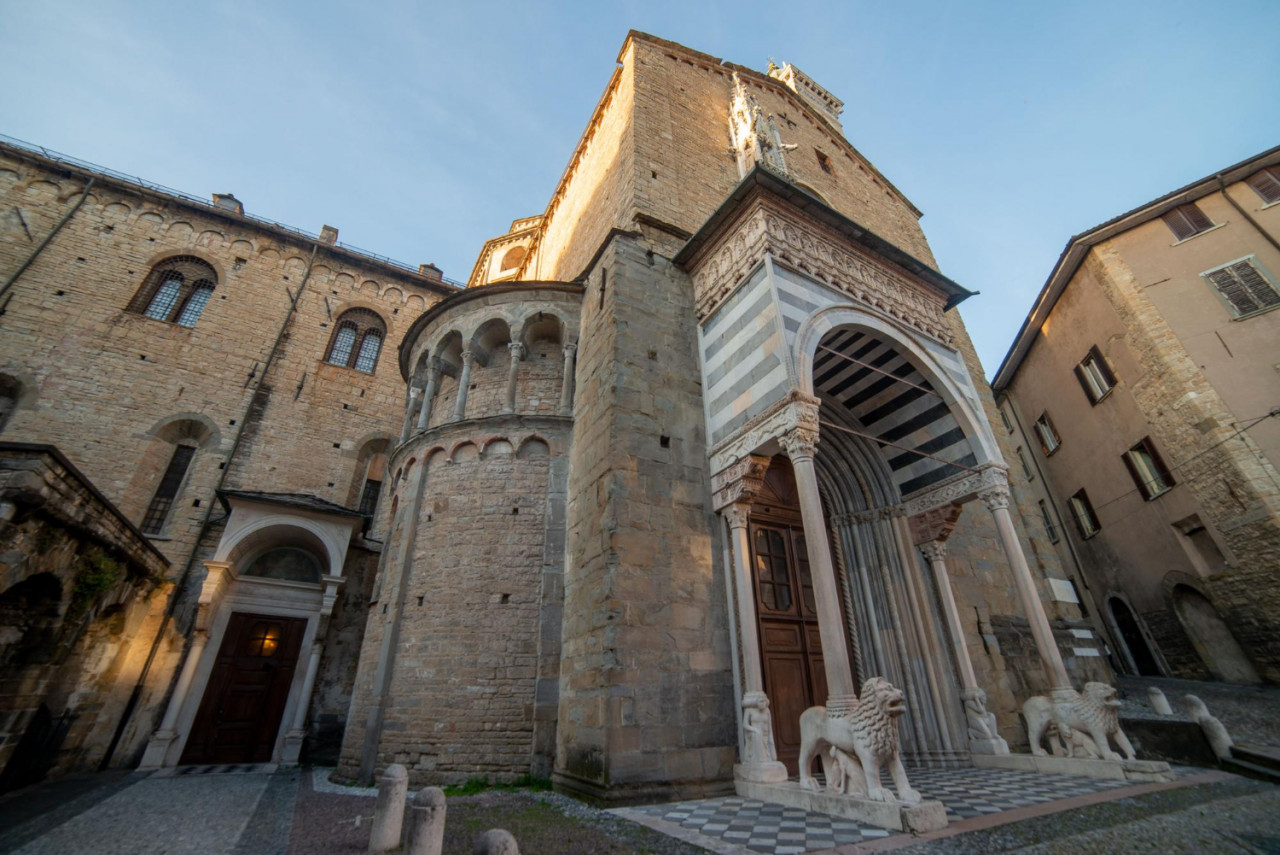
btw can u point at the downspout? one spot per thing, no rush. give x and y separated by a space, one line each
84 194
132 704
1222 188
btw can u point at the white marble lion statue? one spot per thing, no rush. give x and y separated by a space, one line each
866 734
1093 712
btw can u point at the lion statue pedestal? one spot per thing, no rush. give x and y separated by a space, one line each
855 738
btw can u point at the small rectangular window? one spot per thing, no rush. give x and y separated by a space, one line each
1148 470
162 502
1026 470
1244 286
1049 440
1049 528
1186 221
1004 417
1095 376
1266 183
1086 520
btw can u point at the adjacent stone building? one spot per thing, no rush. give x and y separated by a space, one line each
700 440
1143 392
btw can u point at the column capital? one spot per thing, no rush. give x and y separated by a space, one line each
739 482
736 514
468 357
518 350
995 498
935 551
570 348
800 442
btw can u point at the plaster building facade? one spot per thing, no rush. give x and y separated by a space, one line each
1143 392
702 445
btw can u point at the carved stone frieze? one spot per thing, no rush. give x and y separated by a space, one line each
740 482
824 255
796 410
934 526
959 489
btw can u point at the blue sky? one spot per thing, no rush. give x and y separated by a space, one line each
421 129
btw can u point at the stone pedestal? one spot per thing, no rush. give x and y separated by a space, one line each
1144 771
994 745
916 819
292 748
760 773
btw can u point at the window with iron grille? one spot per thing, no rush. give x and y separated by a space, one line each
1187 220
1244 286
1049 440
369 498
1266 183
1049 528
176 290
1095 376
357 340
1086 519
1148 470
167 492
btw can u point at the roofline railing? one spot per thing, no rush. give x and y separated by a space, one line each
143 183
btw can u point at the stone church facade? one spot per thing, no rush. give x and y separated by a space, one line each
707 430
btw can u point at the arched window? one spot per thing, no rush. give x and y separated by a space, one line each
357 340
176 290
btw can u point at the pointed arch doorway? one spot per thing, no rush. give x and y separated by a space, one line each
786 613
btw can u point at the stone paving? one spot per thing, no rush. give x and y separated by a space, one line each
263 811
1251 713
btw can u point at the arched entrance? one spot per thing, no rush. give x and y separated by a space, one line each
1212 637
1140 655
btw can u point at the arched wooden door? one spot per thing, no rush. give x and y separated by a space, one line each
786 615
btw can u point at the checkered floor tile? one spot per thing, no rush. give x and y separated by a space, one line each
778 830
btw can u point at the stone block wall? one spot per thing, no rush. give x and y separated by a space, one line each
646 698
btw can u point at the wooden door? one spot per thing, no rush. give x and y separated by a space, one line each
790 645
239 716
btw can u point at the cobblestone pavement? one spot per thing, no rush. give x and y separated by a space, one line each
1251 713
261 811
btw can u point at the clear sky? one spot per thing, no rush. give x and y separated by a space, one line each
420 129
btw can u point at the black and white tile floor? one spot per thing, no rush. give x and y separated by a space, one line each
770 828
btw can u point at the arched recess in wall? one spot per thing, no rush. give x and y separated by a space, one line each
284 552
1211 637
1138 654
368 476
176 447
30 630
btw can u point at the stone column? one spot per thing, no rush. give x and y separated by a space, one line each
415 396
760 757
801 444
983 736
517 353
566 385
167 734
298 731
464 380
997 501
429 393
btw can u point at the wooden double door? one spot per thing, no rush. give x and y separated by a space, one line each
239 716
787 619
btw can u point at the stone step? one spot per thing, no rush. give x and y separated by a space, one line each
1261 755
1252 770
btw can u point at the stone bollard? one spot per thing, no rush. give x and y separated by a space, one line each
388 812
495 841
426 822
1158 701
1214 730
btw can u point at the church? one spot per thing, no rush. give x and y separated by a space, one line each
698 447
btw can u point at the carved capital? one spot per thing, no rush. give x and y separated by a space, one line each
468 357
800 443
934 525
736 515
518 350
995 498
935 551
740 482
570 348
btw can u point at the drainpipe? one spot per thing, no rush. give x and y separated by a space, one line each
1222 188
84 194
132 704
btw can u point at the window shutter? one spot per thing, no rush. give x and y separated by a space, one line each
1258 287
1199 222
1084 384
1266 184
1231 288
1178 224
1136 475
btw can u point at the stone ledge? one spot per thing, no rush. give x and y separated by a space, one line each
1151 771
927 816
